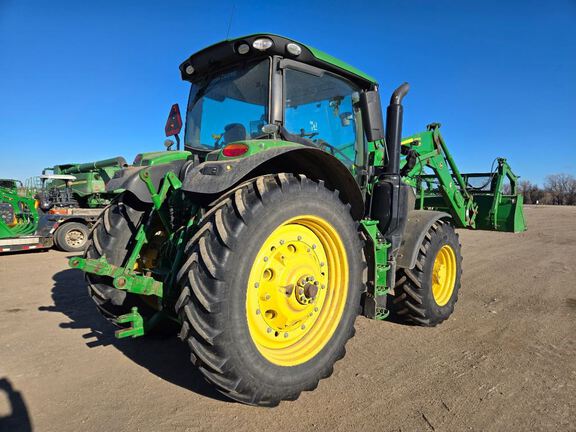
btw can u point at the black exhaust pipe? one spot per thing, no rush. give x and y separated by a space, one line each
391 196
394 114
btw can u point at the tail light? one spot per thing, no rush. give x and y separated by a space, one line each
233 150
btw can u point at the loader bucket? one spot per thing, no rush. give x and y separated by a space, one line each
500 213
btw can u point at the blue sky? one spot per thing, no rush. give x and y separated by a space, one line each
81 81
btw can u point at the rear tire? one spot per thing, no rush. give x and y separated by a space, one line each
420 297
113 235
71 237
221 306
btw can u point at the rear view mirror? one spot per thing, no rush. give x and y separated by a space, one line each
372 115
174 122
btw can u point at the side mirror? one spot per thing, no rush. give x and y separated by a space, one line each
372 115
174 122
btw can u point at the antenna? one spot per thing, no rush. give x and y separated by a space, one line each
230 20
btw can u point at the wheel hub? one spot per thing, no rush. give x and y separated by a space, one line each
444 275
292 289
75 238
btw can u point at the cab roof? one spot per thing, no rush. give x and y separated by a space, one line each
225 53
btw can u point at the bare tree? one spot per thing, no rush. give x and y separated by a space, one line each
561 188
531 192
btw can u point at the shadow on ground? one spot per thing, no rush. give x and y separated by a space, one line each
167 358
18 419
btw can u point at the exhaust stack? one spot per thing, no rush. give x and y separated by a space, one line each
394 114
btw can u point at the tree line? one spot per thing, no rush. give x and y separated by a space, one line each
558 189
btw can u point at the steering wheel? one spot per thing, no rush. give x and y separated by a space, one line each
333 150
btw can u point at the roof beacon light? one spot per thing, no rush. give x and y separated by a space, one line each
243 48
262 44
294 49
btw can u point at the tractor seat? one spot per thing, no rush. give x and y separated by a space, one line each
234 132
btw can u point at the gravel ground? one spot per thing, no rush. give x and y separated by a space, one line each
506 360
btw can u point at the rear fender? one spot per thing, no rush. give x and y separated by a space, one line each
215 177
129 179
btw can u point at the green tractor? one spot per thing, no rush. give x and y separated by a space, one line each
292 210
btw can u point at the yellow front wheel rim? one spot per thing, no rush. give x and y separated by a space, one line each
444 275
297 290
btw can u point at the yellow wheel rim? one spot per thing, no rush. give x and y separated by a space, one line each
297 290
444 275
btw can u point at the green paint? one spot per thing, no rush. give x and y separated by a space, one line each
123 278
136 322
258 146
327 58
19 214
159 158
89 187
380 264
447 189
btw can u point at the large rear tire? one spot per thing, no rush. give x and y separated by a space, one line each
271 288
113 236
426 294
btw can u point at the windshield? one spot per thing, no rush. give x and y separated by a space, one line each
228 107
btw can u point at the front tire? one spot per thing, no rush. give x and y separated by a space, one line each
426 294
271 288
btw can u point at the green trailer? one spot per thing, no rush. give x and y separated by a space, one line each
292 209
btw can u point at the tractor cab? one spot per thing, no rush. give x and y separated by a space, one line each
262 88
52 190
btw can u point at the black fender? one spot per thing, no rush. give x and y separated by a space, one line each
213 177
129 178
418 224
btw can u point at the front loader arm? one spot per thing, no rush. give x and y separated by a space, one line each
428 149
448 189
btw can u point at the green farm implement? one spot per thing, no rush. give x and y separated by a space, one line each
19 218
71 196
292 208
88 188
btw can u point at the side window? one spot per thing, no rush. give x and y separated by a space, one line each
321 108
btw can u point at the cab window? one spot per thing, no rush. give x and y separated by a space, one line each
322 110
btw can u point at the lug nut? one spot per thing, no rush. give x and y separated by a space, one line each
299 238
268 330
257 311
286 334
281 242
256 285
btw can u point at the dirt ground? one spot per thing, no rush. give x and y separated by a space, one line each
506 360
